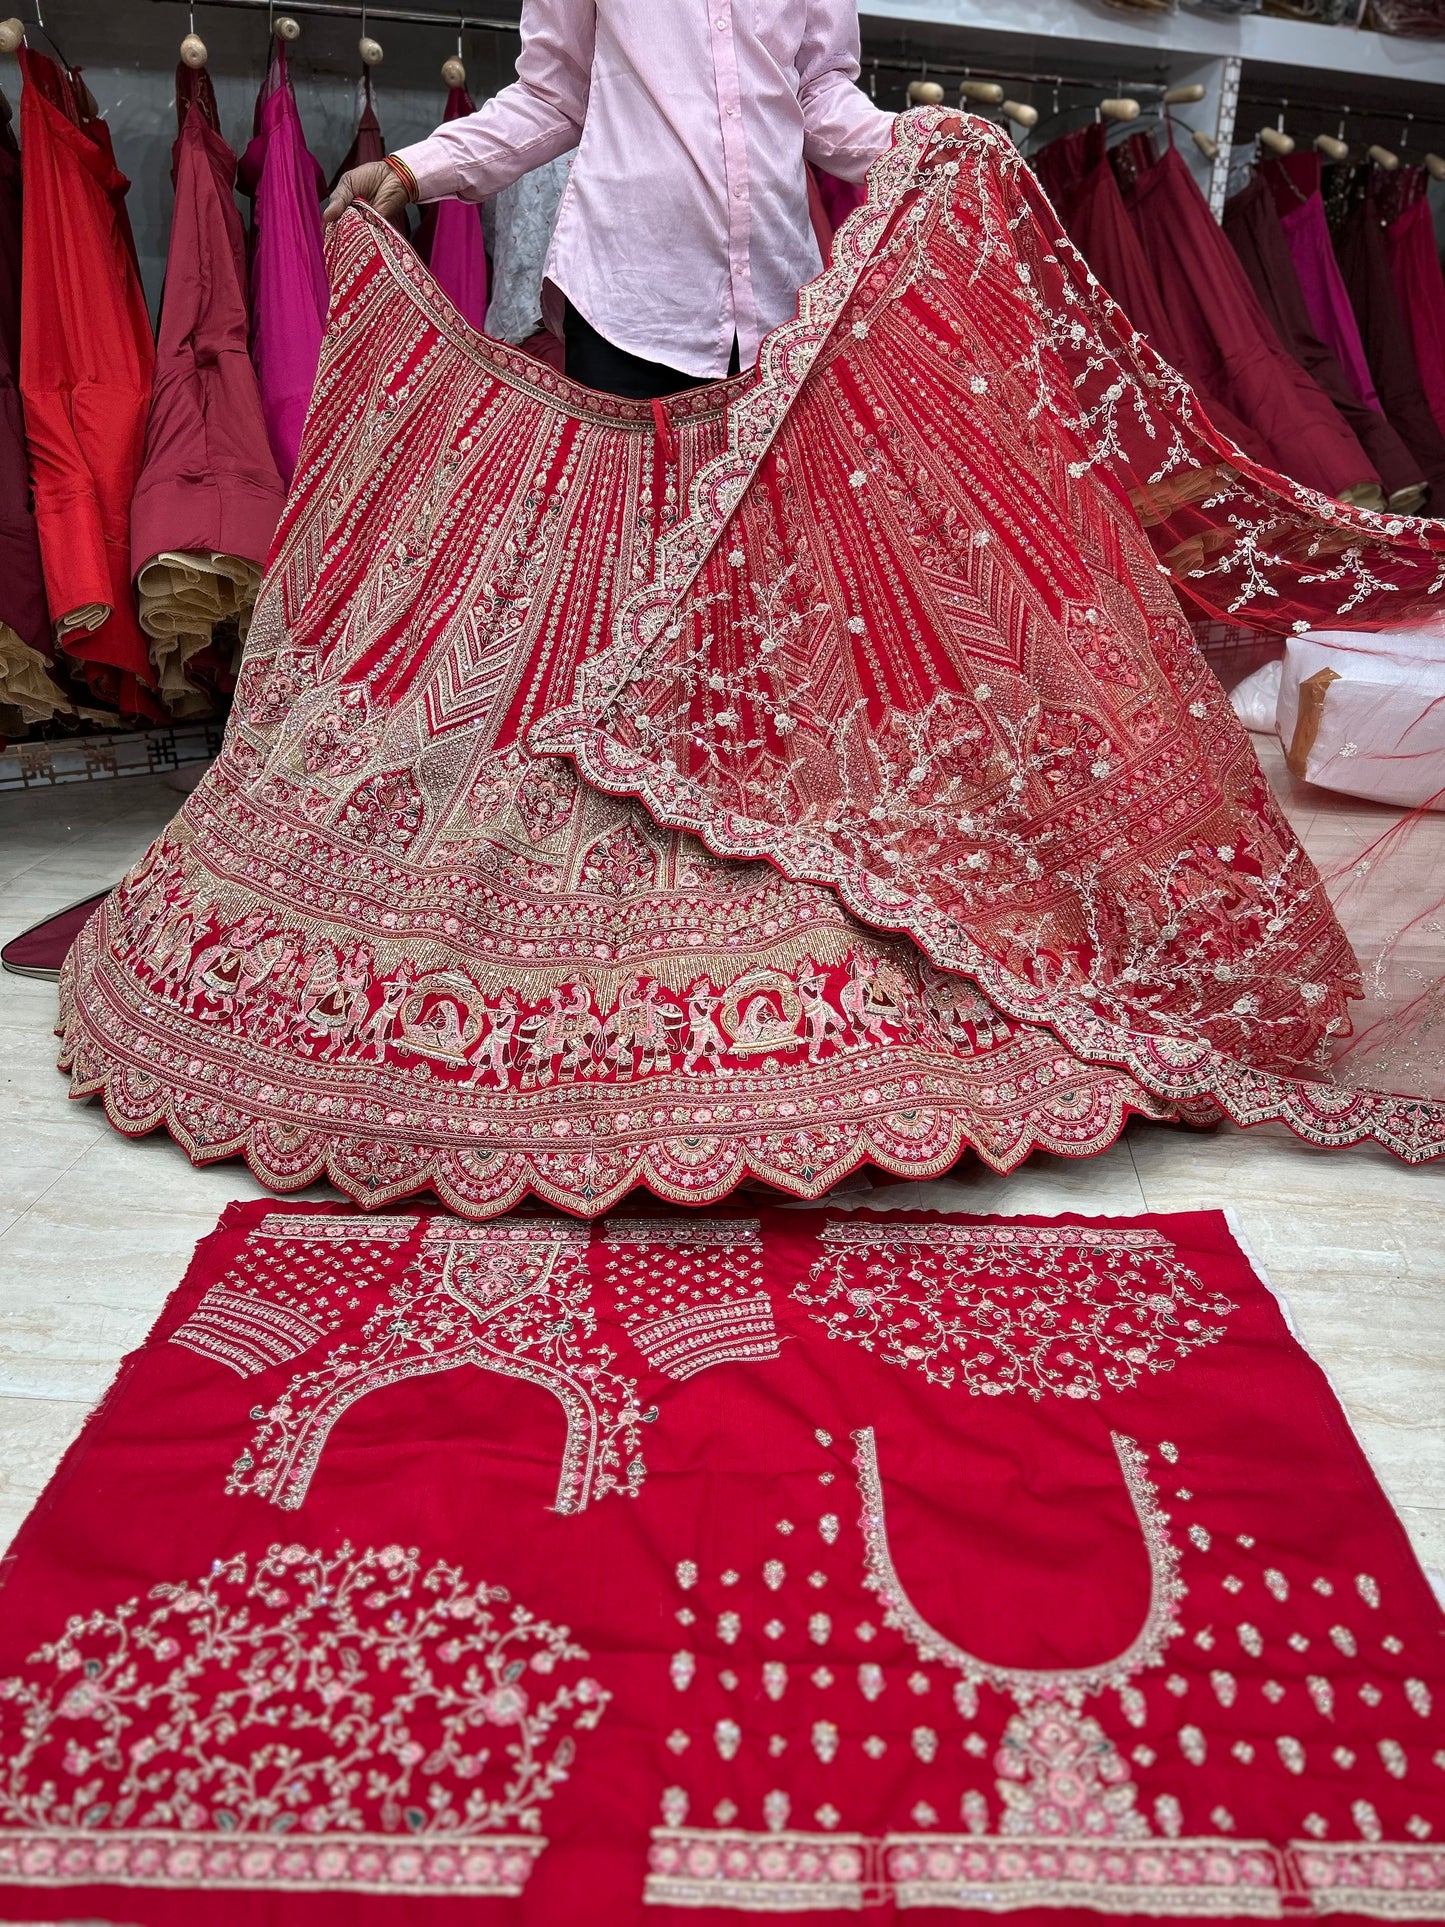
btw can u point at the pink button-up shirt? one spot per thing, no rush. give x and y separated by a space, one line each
685 221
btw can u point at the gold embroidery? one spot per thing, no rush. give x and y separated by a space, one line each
146 1757
509 1297
1072 1310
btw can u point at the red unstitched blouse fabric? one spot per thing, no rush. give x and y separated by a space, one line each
86 362
208 482
681 1567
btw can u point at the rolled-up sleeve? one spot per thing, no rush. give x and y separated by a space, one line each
532 121
843 131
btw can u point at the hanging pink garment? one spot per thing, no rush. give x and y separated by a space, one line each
288 270
450 239
1415 270
1229 349
1294 181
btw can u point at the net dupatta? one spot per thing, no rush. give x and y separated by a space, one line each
918 640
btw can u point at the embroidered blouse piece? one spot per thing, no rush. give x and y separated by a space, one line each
738 1564
686 220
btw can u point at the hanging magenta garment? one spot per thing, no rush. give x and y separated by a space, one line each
1364 259
22 584
1294 180
1419 284
86 362
288 269
208 482
1228 347
1252 228
450 239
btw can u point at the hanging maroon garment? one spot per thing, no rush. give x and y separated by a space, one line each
830 202
1228 347
209 483
451 242
1083 186
1364 258
86 363
368 144
1419 284
1081 180
22 585
1252 227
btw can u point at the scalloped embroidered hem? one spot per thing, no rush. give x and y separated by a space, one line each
360 1863
478 1182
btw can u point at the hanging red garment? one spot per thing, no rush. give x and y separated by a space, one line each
1228 348
451 242
288 268
1252 227
1419 284
208 497
86 362
1364 257
27 692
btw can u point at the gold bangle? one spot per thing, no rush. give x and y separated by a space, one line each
404 174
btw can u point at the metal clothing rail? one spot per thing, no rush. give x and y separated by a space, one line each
920 67
456 22
1309 109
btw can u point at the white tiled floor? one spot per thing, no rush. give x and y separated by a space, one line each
95 1230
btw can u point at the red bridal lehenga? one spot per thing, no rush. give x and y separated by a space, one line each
909 817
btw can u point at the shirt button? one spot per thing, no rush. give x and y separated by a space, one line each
722 26
733 112
740 193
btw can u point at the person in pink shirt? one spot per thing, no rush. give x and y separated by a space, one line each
684 233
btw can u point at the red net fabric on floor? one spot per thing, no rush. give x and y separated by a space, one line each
878 625
673 1566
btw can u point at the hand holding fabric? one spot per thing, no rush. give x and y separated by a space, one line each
376 183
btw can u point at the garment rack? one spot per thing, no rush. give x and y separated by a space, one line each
337 10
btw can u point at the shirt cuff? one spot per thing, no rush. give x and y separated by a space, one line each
432 168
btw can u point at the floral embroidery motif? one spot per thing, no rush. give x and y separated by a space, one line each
509 1297
690 1291
1070 1310
426 1728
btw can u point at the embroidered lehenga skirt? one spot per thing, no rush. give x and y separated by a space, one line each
816 770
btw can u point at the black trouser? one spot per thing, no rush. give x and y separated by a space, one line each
592 360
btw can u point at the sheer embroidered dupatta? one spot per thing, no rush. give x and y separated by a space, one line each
918 641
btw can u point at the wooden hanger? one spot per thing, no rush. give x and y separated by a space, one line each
1020 113
1276 140
1382 157
1182 96
924 93
1332 147
1121 109
988 92
1435 167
